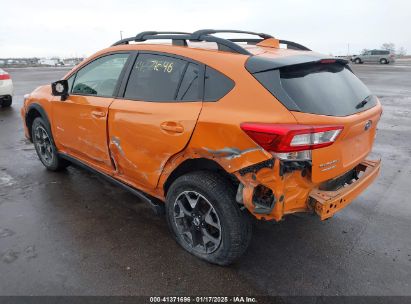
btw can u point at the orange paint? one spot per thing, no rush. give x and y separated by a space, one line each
142 143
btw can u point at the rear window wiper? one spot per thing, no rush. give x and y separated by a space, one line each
363 103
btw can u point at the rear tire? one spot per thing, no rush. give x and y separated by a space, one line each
6 101
383 61
45 148
358 61
205 219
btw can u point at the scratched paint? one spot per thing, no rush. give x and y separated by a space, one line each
231 153
115 141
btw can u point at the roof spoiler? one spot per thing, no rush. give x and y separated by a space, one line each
256 64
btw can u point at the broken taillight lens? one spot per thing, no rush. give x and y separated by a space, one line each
291 141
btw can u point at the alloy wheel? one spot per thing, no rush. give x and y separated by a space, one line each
43 145
197 222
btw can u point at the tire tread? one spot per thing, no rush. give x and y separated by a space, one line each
222 193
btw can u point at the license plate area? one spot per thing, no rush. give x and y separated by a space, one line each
327 203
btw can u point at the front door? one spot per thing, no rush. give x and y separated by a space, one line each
155 118
80 121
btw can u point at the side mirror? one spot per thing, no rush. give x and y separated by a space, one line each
60 88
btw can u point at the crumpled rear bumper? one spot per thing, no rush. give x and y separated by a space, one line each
327 203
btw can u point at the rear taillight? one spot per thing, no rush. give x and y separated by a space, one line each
289 141
4 76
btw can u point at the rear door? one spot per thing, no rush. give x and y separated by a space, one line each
155 117
375 56
80 121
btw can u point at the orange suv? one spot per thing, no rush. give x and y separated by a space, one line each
210 130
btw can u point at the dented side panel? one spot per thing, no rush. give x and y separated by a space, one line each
144 135
218 136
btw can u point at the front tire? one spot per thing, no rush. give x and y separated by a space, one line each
45 148
357 61
383 61
205 219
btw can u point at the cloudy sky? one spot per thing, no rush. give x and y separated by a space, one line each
81 27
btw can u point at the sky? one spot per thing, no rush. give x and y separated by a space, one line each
73 28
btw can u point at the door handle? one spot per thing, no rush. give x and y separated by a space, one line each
98 114
172 126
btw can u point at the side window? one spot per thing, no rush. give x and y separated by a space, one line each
155 78
216 85
100 76
190 85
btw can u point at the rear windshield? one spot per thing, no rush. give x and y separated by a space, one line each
327 89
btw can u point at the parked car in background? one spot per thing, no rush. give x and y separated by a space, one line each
6 89
375 56
51 62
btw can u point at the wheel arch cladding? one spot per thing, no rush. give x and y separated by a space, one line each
198 164
34 111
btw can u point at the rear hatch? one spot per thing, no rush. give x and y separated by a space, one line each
323 91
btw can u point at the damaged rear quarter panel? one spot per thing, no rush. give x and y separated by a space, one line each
218 136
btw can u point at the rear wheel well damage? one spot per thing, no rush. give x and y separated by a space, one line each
199 164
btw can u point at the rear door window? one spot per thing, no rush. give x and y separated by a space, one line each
190 85
217 85
157 78
327 89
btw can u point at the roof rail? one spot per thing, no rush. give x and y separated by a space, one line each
198 34
147 35
230 45
180 39
290 44
142 36
294 45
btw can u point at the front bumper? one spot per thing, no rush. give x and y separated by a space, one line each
23 118
327 203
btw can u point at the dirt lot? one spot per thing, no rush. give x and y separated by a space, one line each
71 233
